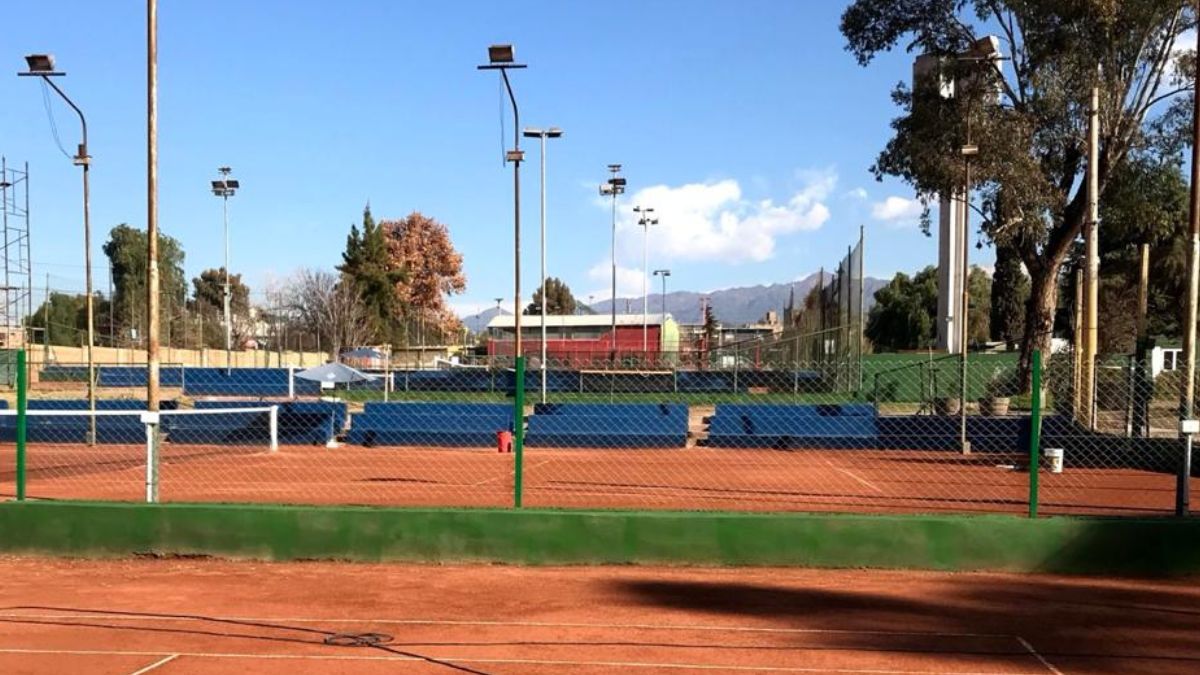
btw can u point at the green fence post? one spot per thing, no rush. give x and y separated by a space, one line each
22 385
1035 432
518 429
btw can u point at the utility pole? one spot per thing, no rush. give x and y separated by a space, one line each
1077 371
645 220
614 186
225 188
152 204
1092 266
1187 388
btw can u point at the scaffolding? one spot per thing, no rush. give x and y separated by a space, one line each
17 291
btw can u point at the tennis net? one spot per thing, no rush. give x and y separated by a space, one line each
118 451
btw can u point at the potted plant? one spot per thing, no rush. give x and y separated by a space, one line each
998 393
946 405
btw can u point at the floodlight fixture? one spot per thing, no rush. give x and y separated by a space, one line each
41 65
500 53
552 132
501 57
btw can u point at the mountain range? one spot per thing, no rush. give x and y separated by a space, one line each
731 306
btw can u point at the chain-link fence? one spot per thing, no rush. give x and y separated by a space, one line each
904 433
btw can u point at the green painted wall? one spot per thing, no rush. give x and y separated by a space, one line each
1165 546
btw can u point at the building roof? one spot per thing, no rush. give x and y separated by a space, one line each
576 320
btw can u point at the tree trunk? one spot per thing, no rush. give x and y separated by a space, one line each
1039 319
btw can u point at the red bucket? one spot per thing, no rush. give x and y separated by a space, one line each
504 441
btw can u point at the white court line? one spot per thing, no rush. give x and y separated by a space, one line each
152 666
1039 657
519 624
531 662
855 476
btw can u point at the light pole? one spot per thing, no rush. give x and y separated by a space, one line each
225 188
645 220
552 132
983 51
664 274
500 57
42 65
613 186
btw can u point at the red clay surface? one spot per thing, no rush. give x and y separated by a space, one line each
896 481
187 617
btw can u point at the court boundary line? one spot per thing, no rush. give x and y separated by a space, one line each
1029 647
156 664
531 662
152 616
853 475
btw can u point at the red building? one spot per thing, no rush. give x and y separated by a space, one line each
581 341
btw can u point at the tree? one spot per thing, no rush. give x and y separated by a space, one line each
1031 143
904 311
560 300
1146 203
209 294
126 251
328 306
66 316
375 276
421 247
1010 293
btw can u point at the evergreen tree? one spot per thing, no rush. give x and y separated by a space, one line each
560 300
374 276
1010 292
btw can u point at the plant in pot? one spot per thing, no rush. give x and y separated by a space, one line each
998 393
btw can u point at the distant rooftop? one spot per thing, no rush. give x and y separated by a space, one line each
576 320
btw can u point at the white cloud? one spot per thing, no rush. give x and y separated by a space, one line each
897 210
715 221
629 281
856 193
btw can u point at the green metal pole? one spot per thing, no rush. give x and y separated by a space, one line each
1035 433
22 385
518 430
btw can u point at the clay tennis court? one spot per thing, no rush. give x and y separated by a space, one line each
177 617
875 481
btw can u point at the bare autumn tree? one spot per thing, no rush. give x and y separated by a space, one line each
328 305
1029 117
433 270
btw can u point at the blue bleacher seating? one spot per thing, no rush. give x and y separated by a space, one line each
430 424
783 426
608 425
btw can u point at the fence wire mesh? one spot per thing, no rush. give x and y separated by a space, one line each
758 432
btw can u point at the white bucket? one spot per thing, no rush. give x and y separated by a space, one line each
1055 455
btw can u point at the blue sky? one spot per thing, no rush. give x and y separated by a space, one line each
745 124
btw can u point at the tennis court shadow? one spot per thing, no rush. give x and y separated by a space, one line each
1112 626
218 628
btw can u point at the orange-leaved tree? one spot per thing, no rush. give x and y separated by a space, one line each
421 246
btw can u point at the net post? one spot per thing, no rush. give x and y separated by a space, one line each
273 426
291 382
22 385
1035 432
518 429
150 419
